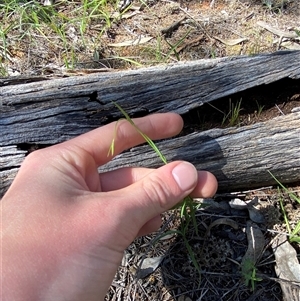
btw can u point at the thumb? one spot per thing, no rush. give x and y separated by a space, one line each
159 191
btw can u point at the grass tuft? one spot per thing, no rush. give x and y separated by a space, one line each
63 34
293 234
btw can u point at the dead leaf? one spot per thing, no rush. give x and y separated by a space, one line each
148 266
255 215
231 42
256 243
222 221
134 42
278 32
287 263
287 267
127 15
290 45
238 204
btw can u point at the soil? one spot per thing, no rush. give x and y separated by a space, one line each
258 104
220 251
190 30
220 254
153 32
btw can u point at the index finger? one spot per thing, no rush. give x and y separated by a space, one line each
97 142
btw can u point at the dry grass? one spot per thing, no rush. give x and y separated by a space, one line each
78 37
81 35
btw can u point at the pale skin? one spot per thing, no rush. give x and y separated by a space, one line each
65 226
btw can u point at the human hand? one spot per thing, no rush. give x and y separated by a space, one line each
65 227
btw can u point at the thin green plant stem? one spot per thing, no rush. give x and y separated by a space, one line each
286 220
293 234
173 47
187 210
127 59
292 195
147 139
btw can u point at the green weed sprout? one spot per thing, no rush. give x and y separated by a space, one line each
234 113
294 235
259 108
173 47
187 206
249 273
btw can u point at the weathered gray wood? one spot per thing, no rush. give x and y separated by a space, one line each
51 111
239 157
11 157
10 161
55 110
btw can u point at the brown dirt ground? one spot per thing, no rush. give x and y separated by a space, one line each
204 32
220 253
199 31
179 30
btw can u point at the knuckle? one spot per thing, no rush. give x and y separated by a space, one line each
36 155
158 191
41 157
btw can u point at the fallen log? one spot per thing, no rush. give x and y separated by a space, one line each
45 112
240 158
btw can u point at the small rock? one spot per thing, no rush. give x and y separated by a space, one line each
149 265
238 204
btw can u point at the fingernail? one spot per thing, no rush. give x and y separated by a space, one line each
185 175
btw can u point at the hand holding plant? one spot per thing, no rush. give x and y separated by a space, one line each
65 227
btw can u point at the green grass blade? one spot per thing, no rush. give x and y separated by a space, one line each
192 255
188 208
296 230
147 139
170 232
292 195
294 237
286 220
